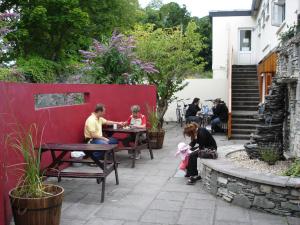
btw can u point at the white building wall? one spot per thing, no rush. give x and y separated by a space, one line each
268 38
225 30
200 88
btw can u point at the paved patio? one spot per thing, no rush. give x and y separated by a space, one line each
154 193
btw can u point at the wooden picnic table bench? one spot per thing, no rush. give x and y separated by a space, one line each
138 143
105 166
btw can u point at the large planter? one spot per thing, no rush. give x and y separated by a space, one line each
37 211
156 138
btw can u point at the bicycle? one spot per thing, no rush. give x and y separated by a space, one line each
180 111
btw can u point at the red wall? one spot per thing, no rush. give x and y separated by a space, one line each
62 124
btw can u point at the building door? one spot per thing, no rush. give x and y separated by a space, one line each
245 47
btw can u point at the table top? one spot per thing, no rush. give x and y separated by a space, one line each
122 130
78 147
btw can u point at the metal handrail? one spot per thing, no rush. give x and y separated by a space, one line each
229 77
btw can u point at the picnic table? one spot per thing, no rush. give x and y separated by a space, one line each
138 143
106 166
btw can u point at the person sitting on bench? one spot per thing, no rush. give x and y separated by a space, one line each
220 115
93 129
191 112
204 139
135 120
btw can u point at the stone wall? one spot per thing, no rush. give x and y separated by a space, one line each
288 73
249 194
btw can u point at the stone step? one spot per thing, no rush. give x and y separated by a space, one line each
245 98
244 75
245 86
245 82
237 95
242 120
244 79
243 131
245 108
243 126
240 137
243 66
244 103
250 91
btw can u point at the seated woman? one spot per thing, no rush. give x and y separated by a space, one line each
204 139
135 120
220 111
191 112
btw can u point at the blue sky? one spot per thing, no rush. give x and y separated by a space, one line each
201 8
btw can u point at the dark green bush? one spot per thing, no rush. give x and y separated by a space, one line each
38 70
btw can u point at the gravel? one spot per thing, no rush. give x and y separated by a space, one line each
240 158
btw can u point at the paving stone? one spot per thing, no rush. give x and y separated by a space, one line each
198 204
100 221
166 205
119 213
232 213
230 223
195 217
159 216
80 211
201 195
293 220
64 221
261 218
173 196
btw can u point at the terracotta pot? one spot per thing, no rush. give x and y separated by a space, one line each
37 211
156 138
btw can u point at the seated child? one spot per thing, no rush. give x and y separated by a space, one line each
136 120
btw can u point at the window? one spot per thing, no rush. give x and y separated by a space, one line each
278 12
245 40
263 19
267 10
259 27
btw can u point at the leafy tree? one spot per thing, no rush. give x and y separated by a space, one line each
107 15
166 16
115 62
173 54
52 29
205 29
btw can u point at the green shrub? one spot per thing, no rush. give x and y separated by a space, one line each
38 70
294 170
269 154
10 75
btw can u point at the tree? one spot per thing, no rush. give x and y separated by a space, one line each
205 29
106 16
52 29
166 16
173 53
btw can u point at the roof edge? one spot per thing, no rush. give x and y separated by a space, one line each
230 13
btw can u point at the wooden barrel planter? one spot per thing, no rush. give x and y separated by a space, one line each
37 211
156 139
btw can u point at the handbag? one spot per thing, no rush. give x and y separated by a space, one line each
207 153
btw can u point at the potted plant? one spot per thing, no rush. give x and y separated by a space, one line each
32 201
155 133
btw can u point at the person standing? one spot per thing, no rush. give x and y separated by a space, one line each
93 129
204 139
